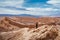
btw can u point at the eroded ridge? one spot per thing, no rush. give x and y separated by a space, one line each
41 33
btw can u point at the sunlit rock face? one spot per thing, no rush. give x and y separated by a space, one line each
14 23
29 28
41 33
48 21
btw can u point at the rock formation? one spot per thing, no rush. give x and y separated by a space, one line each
41 33
20 28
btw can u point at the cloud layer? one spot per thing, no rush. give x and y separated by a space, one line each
33 7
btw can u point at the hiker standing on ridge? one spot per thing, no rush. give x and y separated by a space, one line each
36 24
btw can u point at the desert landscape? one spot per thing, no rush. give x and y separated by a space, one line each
29 28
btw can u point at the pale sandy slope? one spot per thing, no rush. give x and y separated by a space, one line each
42 33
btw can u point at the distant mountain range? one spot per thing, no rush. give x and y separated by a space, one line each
6 15
28 15
19 15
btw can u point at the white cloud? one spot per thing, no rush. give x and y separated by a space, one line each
9 11
42 9
33 11
16 3
55 3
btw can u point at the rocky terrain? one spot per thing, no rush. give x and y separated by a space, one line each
29 28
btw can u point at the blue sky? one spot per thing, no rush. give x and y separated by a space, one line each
35 3
33 7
